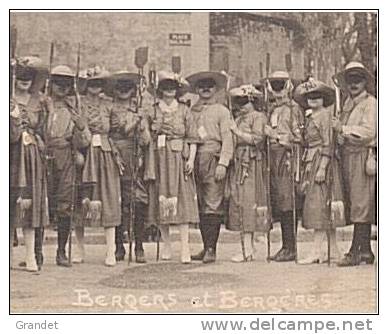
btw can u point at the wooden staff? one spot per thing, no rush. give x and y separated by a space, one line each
153 80
141 58
268 174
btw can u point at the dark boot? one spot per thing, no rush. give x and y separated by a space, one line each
355 246
213 224
15 238
287 252
350 259
366 254
210 256
63 235
199 256
353 258
39 235
139 237
203 226
120 249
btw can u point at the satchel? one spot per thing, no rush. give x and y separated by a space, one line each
371 163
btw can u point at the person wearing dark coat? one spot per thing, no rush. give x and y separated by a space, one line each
356 129
64 133
126 127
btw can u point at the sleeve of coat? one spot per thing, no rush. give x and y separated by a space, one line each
325 131
191 128
82 138
259 122
365 131
144 132
226 137
15 129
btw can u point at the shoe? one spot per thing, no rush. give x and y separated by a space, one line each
62 259
199 256
31 266
166 252
140 258
284 255
78 259
350 259
120 253
185 257
238 258
22 264
210 256
279 253
309 260
39 260
110 261
367 257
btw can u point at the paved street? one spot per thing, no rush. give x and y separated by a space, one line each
173 287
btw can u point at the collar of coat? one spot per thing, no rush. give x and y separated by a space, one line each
168 108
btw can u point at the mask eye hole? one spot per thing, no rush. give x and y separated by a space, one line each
354 79
313 96
206 84
240 100
278 85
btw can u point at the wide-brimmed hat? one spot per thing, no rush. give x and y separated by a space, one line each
31 68
314 86
62 71
111 81
183 85
96 73
219 78
279 75
91 74
356 67
247 90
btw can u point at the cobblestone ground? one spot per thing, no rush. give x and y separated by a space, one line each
255 287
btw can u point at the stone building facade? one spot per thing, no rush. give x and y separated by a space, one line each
236 42
110 39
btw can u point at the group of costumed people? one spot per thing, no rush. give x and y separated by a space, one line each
101 160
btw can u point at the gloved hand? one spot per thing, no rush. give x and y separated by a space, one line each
220 173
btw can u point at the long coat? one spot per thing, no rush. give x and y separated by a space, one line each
27 171
359 130
122 132
248 207
177 196
285 121
317 199
63 139
100 176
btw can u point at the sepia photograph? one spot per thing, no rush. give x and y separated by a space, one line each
193 162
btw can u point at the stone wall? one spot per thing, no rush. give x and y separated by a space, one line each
240 41
110 39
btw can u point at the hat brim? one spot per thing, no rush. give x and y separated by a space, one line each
182 88
219 78
369 77
39 77
328 95
111 81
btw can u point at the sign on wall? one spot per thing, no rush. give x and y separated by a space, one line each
181 39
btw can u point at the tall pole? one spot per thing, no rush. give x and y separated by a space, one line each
141 58
268 174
